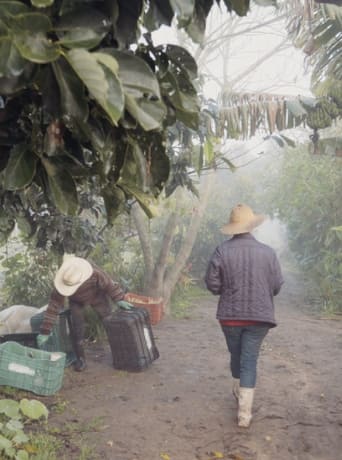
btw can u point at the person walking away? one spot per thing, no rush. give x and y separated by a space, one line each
82 283
246 275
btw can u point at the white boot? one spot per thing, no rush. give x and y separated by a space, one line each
236 387
246 396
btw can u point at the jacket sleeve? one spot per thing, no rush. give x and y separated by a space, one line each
56 304
277 276
213 277
110 287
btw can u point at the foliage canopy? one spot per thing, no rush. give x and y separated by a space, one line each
87 101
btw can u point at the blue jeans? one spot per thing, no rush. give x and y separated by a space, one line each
244 343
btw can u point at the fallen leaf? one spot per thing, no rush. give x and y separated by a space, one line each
236 457
165 457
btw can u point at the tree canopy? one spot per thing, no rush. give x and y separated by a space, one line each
89 105
87 100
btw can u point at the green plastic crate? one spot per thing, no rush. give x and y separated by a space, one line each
59 339
30 369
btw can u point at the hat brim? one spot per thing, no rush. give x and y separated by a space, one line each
84 268
238 228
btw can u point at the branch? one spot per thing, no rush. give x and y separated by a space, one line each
260 61
243 31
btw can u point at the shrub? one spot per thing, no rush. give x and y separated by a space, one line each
28 277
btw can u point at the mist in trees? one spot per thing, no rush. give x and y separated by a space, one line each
154 255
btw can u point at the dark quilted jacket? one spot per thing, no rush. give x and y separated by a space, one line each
246 275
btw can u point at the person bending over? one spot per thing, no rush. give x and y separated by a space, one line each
82 283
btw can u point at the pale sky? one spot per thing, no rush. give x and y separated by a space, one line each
281 74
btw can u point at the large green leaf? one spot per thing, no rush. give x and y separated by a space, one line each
72 91
177 86
181 58
36 47
30 37
11 84
184 9
196 26
114 199
135 74
42 3
82 28
141 88
31 22
14 425
7 225
22 455
63 192
160 161
126 21
62 188
144 169
184 100
240 7
3 29
9 407
33 409
134 169
6 446
158 14
107 61
89 132
11 62
20 169
190 119
12 8
100 80
5 51
149 114
147 202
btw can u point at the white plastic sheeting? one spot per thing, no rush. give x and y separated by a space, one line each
16 319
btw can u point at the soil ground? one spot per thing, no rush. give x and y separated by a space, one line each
182 408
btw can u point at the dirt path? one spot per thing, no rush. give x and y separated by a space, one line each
182 408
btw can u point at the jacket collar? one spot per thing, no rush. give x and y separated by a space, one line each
243 236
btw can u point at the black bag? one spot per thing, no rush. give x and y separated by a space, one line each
131 339
27 339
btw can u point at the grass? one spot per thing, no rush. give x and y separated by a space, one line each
45 446
48 442
183 300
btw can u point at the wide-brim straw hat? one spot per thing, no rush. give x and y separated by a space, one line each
242 220
73 272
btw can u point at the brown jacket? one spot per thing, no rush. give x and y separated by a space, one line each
94 291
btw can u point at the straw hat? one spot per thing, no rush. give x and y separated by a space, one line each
242 220
73 272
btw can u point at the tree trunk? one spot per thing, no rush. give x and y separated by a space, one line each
141 224
172 276
158 279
